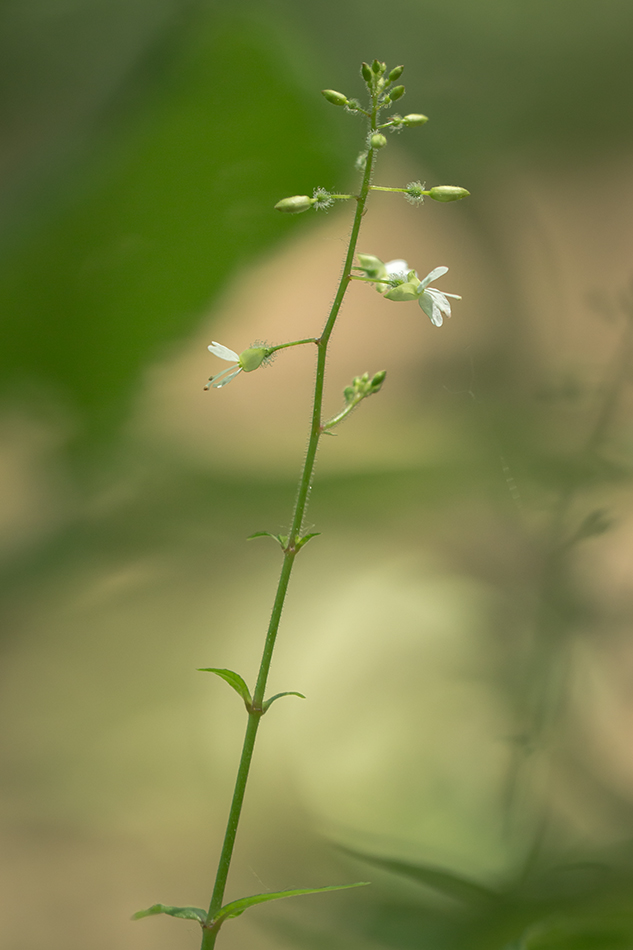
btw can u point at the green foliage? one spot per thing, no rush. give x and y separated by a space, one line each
165 213
235 908
272 699
234 680
188 913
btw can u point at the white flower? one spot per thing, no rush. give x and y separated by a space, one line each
247 361
434 302
221 379
402 284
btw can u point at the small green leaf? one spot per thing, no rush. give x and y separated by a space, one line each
234 680
272 699
189 913
281 539
235 908
452 885
304 540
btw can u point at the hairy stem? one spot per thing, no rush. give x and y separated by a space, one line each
210 930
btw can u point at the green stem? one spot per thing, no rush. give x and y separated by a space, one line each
404 191
282 346
343 414
210 931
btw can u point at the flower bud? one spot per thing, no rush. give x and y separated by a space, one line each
396 93
295 205
252 358
448 193
415 119
377 380
372 266
378 140
349 392
366 72
378 67
336 98
396 73
408 291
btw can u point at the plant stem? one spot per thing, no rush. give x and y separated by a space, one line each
403 191
282 346
210 931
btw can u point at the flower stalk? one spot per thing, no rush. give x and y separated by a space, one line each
316 431
397 283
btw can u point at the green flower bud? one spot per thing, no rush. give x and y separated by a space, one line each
396 73
378 380
252 358
366 72
396 93
415 119
372 266
336 98
408 291
349 392
378 67
448 193
378 140
295 205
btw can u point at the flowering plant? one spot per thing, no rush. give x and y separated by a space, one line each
397 283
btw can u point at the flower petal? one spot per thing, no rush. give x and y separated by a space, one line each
431 309
223 352
440 301
433 275
397 267
227 379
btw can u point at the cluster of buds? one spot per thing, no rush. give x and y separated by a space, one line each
363 386
378 83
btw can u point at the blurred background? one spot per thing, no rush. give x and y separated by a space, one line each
462 630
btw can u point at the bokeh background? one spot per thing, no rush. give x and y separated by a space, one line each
462 630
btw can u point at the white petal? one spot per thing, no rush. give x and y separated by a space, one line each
397 267
223 352
227 379
440 300
455 296
431 309
433 275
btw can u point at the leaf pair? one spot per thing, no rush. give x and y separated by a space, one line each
237 683
282 539
235 908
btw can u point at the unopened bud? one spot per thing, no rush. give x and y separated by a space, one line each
372 266
336 98
415 119
252 358
349 392
396 93
378 67
366 73
295 205
378 140
448 193
396 73
377 380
